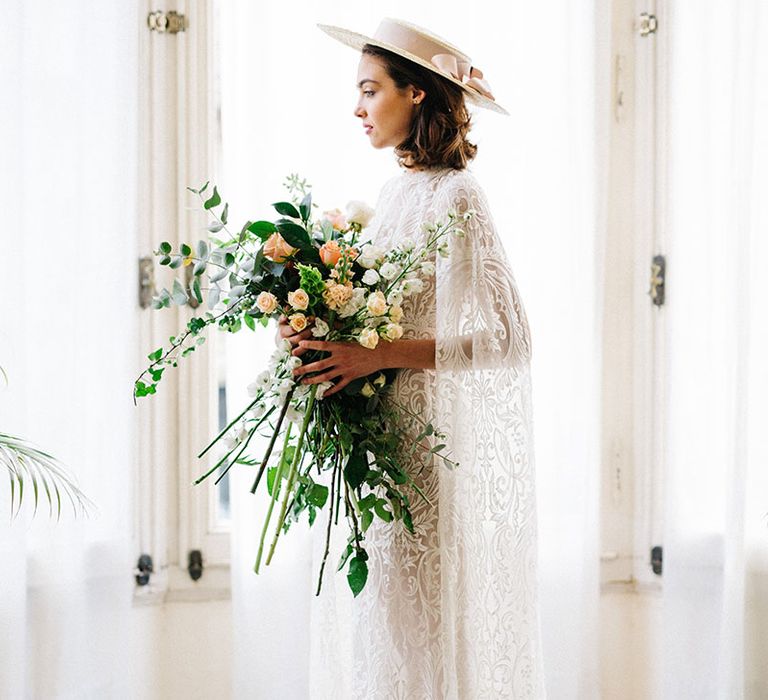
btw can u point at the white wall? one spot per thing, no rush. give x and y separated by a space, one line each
68 328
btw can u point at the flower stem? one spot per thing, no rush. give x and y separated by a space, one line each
271 445
297 456
275 487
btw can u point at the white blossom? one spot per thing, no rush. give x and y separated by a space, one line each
389 271
359 212
370 277
320 328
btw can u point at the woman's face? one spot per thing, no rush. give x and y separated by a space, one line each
385 111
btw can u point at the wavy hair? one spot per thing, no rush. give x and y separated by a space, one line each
438 134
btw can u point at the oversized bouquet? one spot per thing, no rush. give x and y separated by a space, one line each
357 446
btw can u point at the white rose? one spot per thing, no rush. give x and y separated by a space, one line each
370 277
392 331
395 314
388 271
377 304
394 298
359 212
412 287
266 302
428 268
370 256
369 338
320 328
322 387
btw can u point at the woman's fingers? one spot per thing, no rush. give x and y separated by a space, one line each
324 377
313 366
337 387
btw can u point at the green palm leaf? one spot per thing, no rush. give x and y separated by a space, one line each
26 463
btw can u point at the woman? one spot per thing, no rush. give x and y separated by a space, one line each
450 612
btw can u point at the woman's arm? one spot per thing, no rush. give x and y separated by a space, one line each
348 361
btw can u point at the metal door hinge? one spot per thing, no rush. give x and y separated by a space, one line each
648 24
143 570
658 276
195 566
166 22
146 281
656 559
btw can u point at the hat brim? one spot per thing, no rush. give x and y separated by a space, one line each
357 40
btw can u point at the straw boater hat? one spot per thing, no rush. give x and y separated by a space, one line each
429 51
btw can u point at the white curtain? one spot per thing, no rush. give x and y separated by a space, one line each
67 341
287 106
716 541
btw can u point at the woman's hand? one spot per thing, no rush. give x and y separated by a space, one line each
284 331
347 361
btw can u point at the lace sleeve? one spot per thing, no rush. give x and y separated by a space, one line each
481 321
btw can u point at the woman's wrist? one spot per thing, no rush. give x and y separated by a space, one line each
416 353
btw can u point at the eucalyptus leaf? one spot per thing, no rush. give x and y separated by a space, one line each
178 294
213 201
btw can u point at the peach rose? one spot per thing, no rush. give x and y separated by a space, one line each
336 295
298 322
276 248
299 299
336 218
330 253
266 302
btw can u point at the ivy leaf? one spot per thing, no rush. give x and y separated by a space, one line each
381 511
317 495
356 468
358 574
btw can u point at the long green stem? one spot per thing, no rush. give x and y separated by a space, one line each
297 455
275 487
271 445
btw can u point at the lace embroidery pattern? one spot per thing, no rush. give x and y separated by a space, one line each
450 612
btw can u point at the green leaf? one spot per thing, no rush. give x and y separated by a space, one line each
176 261
368 502
286 209
306 206
178 294
224 214
262 229
381 511
294 234
317 495
356 468
185 249
196 290
156 355
271 471
214 200
249 322
199 268
215 227
358 574
366 518
345 555
202 249
165 259
165 247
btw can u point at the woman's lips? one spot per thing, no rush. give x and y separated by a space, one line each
368 128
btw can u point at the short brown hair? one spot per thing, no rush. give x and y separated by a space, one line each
438 135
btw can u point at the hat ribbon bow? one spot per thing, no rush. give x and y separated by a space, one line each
463 72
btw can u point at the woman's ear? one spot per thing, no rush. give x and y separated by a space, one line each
417 95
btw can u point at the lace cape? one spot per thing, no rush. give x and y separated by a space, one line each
451 612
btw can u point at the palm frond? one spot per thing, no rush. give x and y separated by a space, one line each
25 462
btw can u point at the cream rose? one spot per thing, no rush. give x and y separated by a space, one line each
266 302
298 322
392 331
395 314
320 328
359 213
369 338
336 219
377 304
299 299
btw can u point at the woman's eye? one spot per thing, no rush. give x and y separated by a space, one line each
367 92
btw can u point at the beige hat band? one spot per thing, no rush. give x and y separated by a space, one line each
443 56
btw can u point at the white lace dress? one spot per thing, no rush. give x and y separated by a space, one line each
450 612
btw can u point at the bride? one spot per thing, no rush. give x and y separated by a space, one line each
452 611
